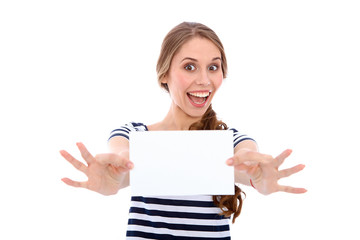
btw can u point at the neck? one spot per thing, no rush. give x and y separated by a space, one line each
177 119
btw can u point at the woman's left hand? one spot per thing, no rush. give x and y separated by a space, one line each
263 170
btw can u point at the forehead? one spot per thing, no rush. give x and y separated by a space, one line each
199 48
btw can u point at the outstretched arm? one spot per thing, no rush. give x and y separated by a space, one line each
107 173
262 169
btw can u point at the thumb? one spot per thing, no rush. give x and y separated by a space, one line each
116 160
254 172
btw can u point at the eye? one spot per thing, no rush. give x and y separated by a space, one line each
213 68
190 67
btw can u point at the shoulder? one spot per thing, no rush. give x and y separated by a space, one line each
239 136
137 126
125 129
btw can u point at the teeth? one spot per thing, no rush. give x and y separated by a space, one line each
200 94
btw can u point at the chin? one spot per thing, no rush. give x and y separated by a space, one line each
198 113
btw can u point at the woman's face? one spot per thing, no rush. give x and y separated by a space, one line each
194 76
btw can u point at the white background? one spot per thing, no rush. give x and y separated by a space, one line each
74 70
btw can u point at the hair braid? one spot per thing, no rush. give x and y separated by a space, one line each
229 204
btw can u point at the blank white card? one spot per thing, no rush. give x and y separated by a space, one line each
181 163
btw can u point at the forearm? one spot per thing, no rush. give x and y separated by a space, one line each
124 181
242 177
120 146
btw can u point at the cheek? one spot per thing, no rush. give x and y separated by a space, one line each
180 82
218 81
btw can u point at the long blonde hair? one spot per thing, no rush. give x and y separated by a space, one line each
229 204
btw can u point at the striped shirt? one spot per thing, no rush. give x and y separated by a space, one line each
175 217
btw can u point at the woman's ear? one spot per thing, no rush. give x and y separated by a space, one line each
164 80
164 83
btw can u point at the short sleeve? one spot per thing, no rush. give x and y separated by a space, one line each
125 130
239 137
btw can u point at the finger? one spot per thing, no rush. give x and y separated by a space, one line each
290 171
249 158
242 167
289 189
85 153
281 158
77 164
74 183
114 159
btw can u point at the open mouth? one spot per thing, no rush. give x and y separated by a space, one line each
198 99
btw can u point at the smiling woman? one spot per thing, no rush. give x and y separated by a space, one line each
191 67
194 76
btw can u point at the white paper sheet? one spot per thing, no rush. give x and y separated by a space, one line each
181 163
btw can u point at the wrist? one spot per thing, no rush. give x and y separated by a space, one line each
251 183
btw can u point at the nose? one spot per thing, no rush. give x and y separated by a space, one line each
203 78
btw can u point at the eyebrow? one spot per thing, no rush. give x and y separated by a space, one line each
195 60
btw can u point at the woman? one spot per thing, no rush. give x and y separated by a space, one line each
191 67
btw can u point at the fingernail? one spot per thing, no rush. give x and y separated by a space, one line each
130 165
230 161
247 163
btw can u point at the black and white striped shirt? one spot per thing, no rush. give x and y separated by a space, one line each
175 217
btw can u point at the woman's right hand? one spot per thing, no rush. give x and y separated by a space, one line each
107 173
